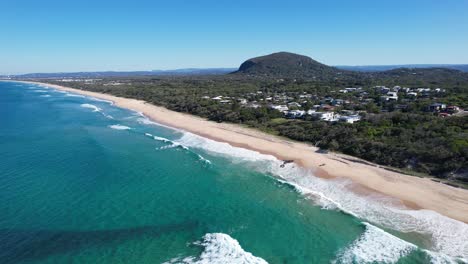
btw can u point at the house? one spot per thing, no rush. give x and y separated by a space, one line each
253 105
350 119
338 102
406 89
352 89
325 116
242 100
437 107
295 114
392 96
294 104
452 109
328 108
382 89
280 108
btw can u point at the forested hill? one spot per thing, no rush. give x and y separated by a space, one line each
285 64
290 65
377 68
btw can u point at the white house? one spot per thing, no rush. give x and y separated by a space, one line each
295 113
242 100
280 108
392 96
326 116
350 119
294 104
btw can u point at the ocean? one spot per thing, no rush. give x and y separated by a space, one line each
83 181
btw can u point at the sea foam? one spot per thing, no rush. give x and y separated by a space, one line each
120 127
90 106
220 248
101 100
74 95
375 245
448 236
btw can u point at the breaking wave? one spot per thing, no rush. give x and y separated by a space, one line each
93 107
101 100
120 127
375 245
177 144
74 95
447 236
96 109
220 248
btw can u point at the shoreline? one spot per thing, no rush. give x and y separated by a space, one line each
412 192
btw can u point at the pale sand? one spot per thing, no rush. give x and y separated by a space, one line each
414 192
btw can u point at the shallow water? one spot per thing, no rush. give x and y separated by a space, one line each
82 181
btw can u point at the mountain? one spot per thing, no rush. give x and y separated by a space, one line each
377 68
285 64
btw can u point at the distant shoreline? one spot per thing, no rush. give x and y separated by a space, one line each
414 192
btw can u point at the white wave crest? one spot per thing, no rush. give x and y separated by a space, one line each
162 139
45 95
203 159
120 127
220 249
447 236
221 148
39 91
74 95
90 106
101 100
174 145
146 121
376 245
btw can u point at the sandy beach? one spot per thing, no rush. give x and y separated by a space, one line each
413 192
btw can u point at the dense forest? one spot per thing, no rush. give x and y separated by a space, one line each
400 133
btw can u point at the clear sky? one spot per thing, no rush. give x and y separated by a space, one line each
83 35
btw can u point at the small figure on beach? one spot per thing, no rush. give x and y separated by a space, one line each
286 162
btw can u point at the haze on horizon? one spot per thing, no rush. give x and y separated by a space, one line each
69 36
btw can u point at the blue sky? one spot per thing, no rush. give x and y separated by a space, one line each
61 36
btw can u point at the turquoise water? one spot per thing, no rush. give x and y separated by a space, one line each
82 181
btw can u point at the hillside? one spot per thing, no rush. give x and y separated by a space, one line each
285 64
378 68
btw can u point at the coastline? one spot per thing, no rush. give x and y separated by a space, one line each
414 192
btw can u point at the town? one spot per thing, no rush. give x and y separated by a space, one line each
345 105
